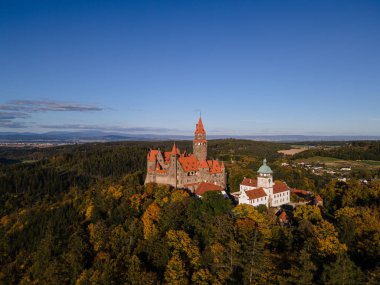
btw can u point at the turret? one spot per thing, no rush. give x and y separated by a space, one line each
174 154
265 177
200 142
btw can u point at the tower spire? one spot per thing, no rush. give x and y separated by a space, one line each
175 149
199 128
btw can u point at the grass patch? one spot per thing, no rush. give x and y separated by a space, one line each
320 159
370 162
339 163
26 161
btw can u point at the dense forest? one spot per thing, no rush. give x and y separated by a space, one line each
359 150
80 214
28 175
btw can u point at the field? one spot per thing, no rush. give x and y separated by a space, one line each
339 163
293 151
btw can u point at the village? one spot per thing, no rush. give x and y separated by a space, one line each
341 172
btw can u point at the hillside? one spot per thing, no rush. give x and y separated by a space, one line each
79 214
357 150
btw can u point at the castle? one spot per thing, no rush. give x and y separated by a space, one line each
183 170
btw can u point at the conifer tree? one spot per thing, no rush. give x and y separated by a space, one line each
302 270
342 272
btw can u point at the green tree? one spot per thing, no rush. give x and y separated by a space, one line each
302 270
342 272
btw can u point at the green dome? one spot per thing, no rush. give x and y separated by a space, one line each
265 168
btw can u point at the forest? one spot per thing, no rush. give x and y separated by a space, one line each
80 214
357 150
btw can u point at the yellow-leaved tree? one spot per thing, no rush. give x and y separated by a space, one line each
326 239
248 216
308 212
98 235
360 229
149 219
180 242
179 195
176 272
185 257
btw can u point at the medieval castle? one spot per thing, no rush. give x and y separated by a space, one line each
183 170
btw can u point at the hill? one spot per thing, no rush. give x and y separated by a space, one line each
80 214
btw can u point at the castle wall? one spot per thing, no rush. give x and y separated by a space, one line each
165 179
184 179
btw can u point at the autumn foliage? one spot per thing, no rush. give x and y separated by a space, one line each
118 231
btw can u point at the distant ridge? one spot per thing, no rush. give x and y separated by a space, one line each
93 136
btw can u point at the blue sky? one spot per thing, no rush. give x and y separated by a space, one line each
251 67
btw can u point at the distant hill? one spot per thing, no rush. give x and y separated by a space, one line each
93 136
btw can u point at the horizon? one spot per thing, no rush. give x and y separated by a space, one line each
96 135
305 68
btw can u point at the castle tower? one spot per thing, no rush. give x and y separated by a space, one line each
200 142
174 154
265 178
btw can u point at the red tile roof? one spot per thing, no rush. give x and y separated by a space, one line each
205 187
189 163
200 129
300 192
283 217
203 164
279 187
159 168
167 156
152 155
318 198
175 150
255 193
215 167
249 182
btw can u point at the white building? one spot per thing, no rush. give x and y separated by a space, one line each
263 191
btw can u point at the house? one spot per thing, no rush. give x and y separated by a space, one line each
263 190
346 168
318 201
283 217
